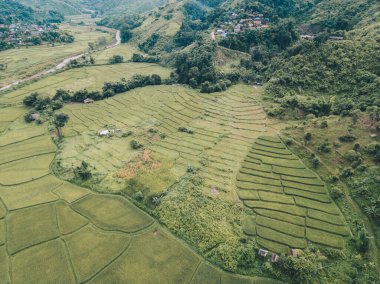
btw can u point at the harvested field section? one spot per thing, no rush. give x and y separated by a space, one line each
4 265
27 194
112 213
31 226
47 261
68 220
158 259
25 170
291 203
85 247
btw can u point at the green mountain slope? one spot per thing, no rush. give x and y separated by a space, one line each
74 7
13 12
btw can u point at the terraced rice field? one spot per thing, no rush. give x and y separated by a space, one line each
224 126
290 202
54 232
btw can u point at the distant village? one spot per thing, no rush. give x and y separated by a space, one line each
242 21
22 33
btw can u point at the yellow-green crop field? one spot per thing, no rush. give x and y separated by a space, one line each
291 203
27 61
52 231
90 78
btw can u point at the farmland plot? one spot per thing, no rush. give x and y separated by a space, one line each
292 205
52 231
26 61
220 128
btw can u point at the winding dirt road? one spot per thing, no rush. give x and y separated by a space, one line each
60 65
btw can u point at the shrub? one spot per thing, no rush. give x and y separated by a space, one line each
185 130
347 172
127 134
140 58
42 103
62 95
362 241
289 142
139 196
324 124
191 169
28 117
373 149
356 147
136 144
31 99
315 162
324 147
116 59
307 136
56 104
83 172
310 116
347 138
247 257
275 111
336 193
352 156
333 179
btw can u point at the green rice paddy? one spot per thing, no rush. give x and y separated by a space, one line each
295 208
52 231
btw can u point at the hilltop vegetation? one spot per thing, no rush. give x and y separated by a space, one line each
14 12
95 7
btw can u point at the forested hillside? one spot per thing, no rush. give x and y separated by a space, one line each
75 7
13 12
304 48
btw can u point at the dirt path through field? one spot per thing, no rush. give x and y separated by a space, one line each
60 65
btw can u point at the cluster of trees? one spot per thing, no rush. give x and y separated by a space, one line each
15 12
136 57
348 70
148 45
57 36
125 24
109 89
116 59
12 11
40 103
274 39
196 68
332 15
46 106
195 20
83 61
277 9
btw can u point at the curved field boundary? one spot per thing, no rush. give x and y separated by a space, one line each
51 224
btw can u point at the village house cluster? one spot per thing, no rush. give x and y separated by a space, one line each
242 21
21 33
